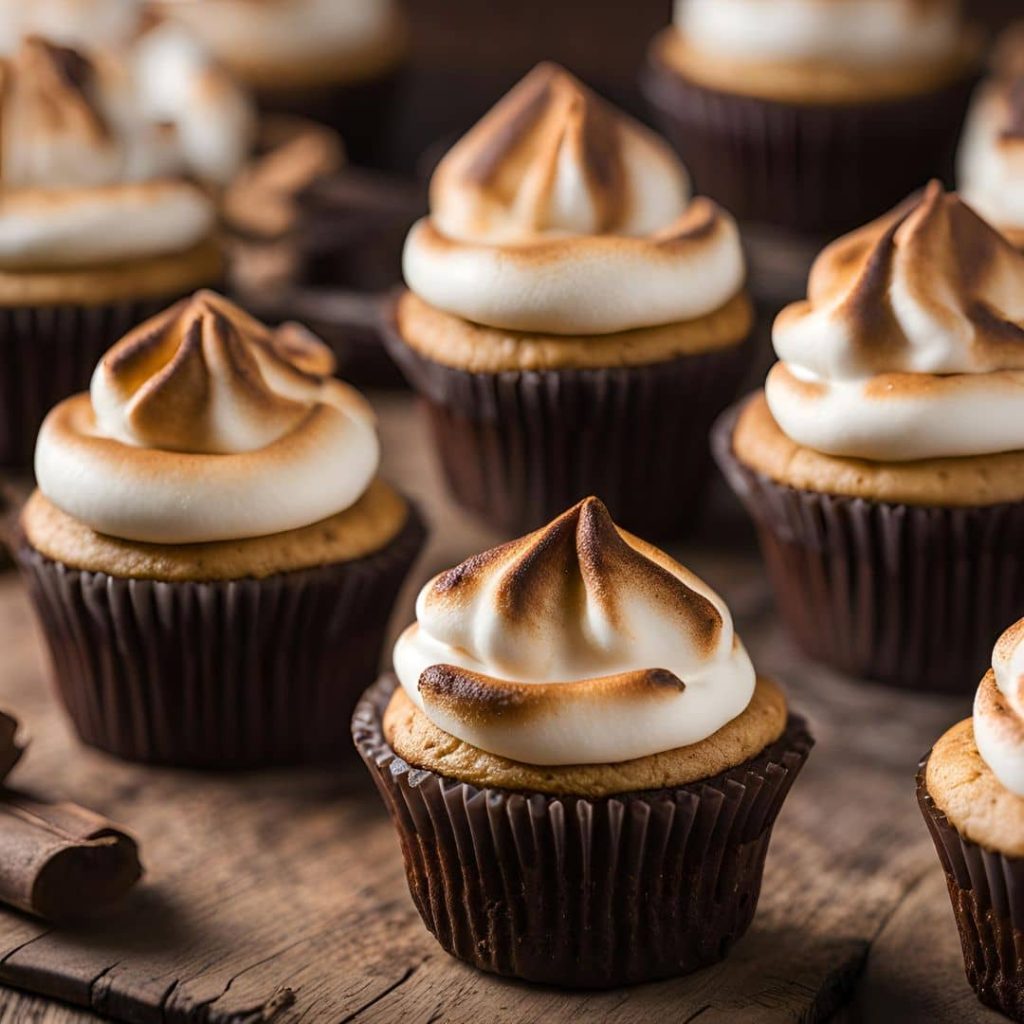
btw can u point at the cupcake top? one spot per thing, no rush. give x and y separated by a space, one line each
281 43
821 50
975 772
204 425
991 158
558 213
94 169
578 644
910 344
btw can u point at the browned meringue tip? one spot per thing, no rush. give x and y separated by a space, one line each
477 699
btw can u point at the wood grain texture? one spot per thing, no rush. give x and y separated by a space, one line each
281 896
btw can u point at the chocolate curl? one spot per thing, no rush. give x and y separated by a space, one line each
60 861
10 749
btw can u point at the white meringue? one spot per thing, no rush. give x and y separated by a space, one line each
204 425
557 213
910 344
999 711
577 644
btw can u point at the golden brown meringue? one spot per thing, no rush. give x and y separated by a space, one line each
910 344
204 425
577 644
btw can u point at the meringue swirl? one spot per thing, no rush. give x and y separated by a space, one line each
865 32
557 213
999 711
910 344
203 425
94 168
90 23
577 644
990 163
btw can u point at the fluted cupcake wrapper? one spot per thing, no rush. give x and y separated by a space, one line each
226 674
520 447
986 889
583 893
48 353
911 596
815 168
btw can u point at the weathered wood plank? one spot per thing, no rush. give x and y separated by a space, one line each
281 895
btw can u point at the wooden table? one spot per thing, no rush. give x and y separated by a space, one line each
281 896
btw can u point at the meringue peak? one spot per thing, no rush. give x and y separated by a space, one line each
553 158
205 377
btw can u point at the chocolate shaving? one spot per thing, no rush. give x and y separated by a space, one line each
61 861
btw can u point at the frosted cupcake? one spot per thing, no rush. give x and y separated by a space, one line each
102 221
582 764
813 115
336 62
210 551
971 792
883 464
574 320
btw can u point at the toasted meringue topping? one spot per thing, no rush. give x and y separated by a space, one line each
80 134
203 425
558 213
857 32
991 157
577 644
999 711
910 344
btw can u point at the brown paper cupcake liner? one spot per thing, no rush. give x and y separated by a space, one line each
905 595
812 168
583 893
520 447
48 353
226 674
986 889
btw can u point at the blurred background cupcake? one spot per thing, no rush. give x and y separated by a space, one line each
971 791
211 553
108 163
547 767
883 464
574 320
813 115
336 61
990 163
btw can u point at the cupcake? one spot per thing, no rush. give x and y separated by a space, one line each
971 791
102 222
813 115
336 62
990 164
210 552
582 764
883 464
574 321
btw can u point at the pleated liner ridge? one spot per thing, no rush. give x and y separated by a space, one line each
519 447
816 168
234 674
986 889
868 586
583 893
48 353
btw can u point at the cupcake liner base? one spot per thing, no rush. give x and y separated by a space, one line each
986 890
583 893
518 448
812 168
49 353
909 596
228 674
